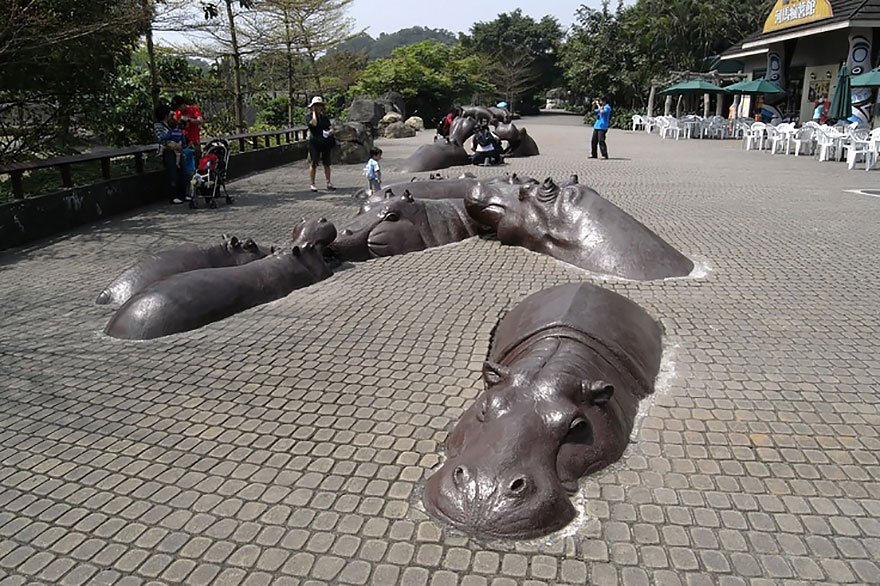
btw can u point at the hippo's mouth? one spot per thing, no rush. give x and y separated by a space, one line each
379 246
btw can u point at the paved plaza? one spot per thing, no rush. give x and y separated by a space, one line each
289 444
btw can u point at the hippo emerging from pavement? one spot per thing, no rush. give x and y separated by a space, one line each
525 146
563 382
190 300
462 128
437 155
404 224
230 252
574 224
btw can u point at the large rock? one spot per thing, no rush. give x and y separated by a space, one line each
364 110
393 102
353 143
415 123
391 118
399 130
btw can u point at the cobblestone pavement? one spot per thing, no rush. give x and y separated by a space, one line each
289 444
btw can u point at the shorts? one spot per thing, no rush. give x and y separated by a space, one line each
320 153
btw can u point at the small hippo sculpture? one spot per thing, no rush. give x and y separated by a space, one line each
230 252
463 127
401 224
437 155
563 382
524 146
190 300
574 224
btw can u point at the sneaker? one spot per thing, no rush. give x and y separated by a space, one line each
592 157
313 188
176 201
330 187
188 198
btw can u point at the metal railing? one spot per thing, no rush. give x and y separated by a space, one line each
64 164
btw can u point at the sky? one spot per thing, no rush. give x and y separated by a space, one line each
388 16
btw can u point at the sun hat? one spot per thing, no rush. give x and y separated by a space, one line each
501 105
316 100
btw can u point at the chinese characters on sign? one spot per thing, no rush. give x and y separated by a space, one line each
787 13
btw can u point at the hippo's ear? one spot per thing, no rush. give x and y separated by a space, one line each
249 244
598 392
408 196
234 242
389 194
494 373
272 249
295 251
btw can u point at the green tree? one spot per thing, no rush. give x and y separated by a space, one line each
56 56
513 40
430 75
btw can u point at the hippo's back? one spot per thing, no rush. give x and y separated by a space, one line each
620 326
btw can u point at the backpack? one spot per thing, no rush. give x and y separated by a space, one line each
484 137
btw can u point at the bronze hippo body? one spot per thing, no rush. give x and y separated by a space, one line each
462 128
574 224
437 155
190 300
230 252
563 382
525 146
402 224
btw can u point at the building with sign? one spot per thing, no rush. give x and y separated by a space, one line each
801 47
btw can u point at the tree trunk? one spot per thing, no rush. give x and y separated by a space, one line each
667 107
313 62
706 100
651 97
719 105
289 44
151 58
236 70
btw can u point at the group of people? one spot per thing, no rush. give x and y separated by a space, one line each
178 131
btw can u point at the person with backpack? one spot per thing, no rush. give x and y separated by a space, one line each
321 141
486 145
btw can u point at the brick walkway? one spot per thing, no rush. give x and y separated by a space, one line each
289 444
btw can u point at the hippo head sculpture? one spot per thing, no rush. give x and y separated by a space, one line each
574 224
399 224
565 375
317 232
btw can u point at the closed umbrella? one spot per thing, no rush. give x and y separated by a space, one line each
694 86
755 87
867 79
841 102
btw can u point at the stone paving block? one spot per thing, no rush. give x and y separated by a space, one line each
296 455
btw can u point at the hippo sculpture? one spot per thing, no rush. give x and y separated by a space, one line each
500 115
463 127
437 155
478 113
574 224
401 224
187 301
563 382
229 252
525 146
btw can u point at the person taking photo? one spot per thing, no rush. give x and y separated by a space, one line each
600 127
320 141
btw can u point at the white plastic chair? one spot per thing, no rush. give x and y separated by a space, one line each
780 135
828 142
755 136
804 139
672 127
857 144
638 123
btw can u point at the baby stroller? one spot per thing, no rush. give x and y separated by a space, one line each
211 174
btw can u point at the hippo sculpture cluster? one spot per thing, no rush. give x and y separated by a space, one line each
568 365
450 151
185 288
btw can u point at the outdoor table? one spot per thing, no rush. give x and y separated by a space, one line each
690 126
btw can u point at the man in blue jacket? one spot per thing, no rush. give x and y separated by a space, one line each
600 128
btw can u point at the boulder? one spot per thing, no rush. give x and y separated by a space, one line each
364 110
391 118
415 123
353 143
399 130
393 102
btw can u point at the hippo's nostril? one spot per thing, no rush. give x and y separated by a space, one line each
346 232
518 485
459 476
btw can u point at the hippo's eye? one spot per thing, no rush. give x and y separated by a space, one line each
484 407
391 217
518 485
577 425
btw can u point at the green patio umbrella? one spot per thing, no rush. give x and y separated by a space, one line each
867 79
841 101
755 87
694 86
